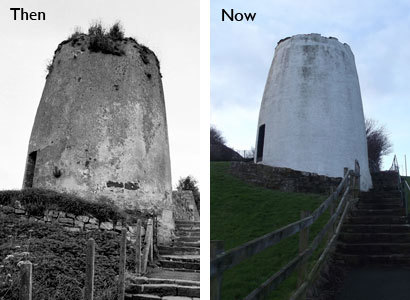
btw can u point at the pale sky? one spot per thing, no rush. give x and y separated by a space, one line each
169 28
378 32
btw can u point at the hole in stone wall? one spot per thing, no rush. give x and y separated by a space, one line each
30 168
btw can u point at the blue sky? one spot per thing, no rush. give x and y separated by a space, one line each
378 33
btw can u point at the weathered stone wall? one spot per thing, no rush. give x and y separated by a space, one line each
184 206
71 222
283 179
312 109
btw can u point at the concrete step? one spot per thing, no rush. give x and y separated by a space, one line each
374 237
379 260
165 250
374 248
180 265
378 199
378 228
377 212
379 205
163 289
376 220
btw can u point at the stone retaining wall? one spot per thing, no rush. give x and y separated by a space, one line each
70 222
283 179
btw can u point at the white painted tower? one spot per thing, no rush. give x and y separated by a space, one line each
311 116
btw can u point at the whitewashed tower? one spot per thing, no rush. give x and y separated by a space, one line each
311 116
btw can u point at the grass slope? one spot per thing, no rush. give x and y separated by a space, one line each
241 212
58 259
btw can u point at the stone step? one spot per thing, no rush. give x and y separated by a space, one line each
378 228
178 265
186 244
377 212
187 228
146 280
183 258
376 220
165 250
141 297
374 248
163 290
186 239
380 260
187 223
374 237
189 233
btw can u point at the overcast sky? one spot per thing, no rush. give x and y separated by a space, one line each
169 28
378 33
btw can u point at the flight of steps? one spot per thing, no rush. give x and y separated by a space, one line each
177 278
376 231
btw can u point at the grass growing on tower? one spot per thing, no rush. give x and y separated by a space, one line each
241 212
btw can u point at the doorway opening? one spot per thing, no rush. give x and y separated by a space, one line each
261 141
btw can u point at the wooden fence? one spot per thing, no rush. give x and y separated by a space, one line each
26 269
222 261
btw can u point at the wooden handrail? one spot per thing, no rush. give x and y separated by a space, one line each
270 284
230 258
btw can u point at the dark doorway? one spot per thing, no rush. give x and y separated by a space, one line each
261 141
30 167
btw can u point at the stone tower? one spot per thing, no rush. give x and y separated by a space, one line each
101 128
311 116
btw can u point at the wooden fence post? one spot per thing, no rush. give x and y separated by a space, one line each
89 270
303 244
138 248
331 212
123 260
217 247
151 247
148 244
26 281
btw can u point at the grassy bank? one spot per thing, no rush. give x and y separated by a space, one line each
241 212
58 259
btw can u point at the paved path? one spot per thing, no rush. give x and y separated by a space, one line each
376 283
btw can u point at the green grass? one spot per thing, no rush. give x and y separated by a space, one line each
241 212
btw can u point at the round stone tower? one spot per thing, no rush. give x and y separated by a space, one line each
101 127
311 116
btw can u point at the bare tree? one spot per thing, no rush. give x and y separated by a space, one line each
378 144
216 137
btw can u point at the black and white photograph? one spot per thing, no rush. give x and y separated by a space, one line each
100 150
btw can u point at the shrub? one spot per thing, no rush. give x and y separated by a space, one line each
100 41
116 32
36 201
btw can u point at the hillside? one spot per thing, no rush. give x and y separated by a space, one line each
241 212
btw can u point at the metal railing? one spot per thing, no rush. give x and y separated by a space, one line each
402 184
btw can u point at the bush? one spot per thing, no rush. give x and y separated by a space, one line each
107 43
189 183
36 201
116 32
